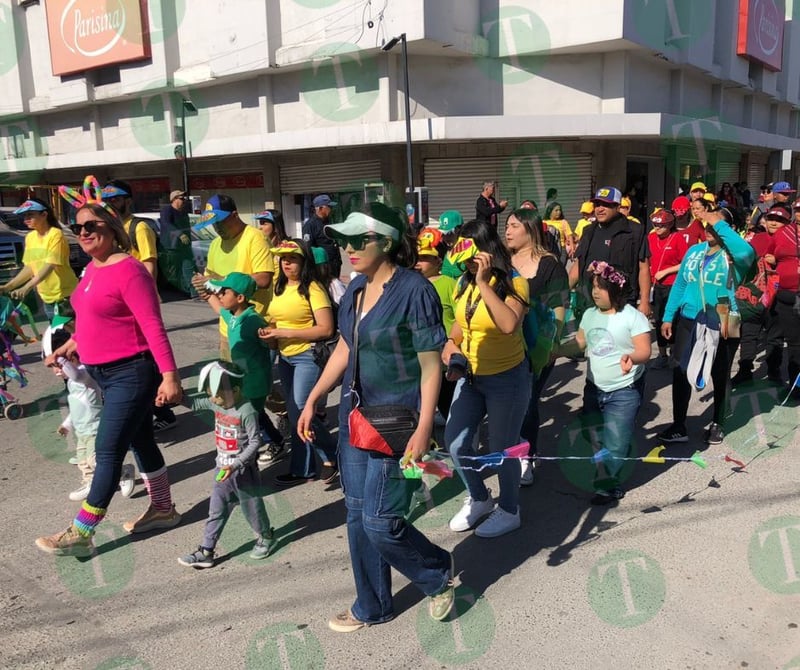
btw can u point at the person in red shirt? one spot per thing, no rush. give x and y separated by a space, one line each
753 323
784 324
690 227
667 249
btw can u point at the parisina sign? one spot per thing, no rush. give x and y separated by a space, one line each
761 24
88 34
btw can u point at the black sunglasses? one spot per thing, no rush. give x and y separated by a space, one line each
90 226
357 242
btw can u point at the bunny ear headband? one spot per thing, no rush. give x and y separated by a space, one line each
212 374
92 194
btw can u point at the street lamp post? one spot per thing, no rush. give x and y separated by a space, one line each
186 106
391 44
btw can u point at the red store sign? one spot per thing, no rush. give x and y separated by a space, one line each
87 34
226 182
761 27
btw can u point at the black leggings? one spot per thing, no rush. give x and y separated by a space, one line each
720 374
660 297
784 327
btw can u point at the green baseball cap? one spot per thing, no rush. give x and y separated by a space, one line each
238 282
450 220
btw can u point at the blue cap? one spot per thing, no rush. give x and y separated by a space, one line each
30 206
323 201
608 195
782 187
266 215
216 211
111 191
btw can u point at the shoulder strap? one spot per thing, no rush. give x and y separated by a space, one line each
354 382
135 221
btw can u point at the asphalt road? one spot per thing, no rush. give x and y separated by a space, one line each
696 567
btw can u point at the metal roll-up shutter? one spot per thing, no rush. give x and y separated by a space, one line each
756 175
328 176
455 183
726 171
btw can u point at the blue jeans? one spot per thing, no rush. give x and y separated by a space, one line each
63 307
503 399
377 496
129 389
610 417
530 426
298 375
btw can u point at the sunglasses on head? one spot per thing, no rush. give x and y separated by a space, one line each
357 242
90 226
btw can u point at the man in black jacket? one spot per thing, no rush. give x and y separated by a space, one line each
314 231
487 208
617 241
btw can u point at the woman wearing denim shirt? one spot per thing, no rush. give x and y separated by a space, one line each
491 299
400 339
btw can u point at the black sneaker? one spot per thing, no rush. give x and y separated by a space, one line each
715 434
328 474
291 480
742 377
609 497
160 425
673 434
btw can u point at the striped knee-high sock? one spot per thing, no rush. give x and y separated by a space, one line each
87 519
157 485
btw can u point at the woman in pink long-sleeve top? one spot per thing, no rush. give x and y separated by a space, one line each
121 339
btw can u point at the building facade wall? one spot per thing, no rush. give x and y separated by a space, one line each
307 81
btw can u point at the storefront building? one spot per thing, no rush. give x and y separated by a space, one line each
277 101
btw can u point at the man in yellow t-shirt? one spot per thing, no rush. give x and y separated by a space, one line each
239 248
119 195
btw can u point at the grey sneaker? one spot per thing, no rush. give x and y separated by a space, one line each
272 452
526 476
264 546
202 558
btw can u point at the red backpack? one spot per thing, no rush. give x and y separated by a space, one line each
757 295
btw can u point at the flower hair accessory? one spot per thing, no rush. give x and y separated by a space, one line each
607 272
90 194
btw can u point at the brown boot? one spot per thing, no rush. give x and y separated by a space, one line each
68 542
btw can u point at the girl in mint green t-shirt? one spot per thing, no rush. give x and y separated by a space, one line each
616 338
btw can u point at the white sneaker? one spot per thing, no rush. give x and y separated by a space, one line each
526 479
499 523
80 493
471 512
127 480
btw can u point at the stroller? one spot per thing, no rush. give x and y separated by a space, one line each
10 362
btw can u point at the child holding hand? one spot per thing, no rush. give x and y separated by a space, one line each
236 478
85 401
616 337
